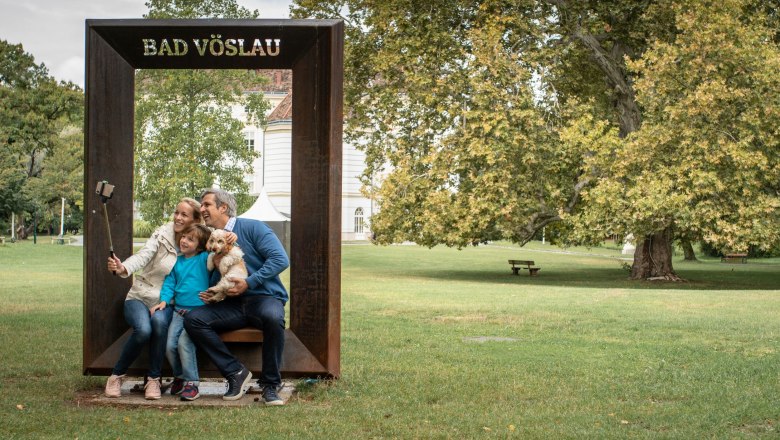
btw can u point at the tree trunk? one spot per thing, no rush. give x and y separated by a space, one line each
688 250
21 230
653 258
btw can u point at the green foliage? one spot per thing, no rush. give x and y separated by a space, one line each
460 108
161 9
143 228
707 159
244 201
40 137
493 119
186 136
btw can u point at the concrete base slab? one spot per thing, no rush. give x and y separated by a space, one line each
211 392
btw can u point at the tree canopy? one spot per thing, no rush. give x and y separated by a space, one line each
492 119
187 138
40 122
707 158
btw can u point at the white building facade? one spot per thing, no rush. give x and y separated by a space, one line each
273 169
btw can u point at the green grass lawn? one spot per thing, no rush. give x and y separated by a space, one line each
441 343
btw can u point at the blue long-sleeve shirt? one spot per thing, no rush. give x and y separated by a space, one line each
264 257
186 280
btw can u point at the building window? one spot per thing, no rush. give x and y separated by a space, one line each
359 221
250 141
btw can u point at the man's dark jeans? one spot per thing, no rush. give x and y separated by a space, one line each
203 324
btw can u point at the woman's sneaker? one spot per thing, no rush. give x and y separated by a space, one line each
152 389
190 392
177 386
114 386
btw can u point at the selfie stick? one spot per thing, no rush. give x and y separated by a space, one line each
105 190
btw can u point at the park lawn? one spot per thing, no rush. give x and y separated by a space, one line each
442 343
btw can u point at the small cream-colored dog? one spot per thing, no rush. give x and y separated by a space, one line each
230 262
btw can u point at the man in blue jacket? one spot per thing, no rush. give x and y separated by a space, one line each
256 301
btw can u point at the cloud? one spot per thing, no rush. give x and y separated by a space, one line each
53 30
71 69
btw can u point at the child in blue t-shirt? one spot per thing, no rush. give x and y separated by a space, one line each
181 287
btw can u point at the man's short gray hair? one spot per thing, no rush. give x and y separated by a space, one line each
222 197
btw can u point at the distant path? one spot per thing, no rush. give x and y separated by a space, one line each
78 240
546 251
561 251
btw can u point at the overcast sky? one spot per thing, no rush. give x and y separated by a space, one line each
53 30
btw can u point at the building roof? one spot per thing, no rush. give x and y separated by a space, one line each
279 80
283 111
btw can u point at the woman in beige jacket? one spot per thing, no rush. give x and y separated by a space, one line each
150 265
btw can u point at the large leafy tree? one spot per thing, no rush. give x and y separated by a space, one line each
39 122
707 158
492 119
186 136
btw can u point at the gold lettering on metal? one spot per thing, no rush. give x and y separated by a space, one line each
214 46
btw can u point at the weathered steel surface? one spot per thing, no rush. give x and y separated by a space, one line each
313 49
108 155
296 362
316 185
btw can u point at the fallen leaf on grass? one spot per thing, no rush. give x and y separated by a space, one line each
486 429
20 407
624 422
511 428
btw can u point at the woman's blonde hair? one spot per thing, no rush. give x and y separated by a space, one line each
195 209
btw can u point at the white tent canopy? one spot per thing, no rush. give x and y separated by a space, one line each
264 210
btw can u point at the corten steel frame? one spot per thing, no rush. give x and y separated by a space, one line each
313 50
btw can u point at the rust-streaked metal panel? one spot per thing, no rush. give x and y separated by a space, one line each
313 49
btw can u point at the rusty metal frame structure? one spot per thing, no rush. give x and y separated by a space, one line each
313 50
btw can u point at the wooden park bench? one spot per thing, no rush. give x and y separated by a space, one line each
246 334
243 335
61 240
734 258
517 265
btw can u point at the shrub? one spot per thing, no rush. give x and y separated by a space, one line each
142 228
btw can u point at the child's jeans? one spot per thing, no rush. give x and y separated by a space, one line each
180 350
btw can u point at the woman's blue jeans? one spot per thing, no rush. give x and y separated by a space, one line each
181 351
151 329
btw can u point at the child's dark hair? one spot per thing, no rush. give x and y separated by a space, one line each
201 233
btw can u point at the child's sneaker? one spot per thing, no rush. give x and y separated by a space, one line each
152 389
177 386
190 392
114 386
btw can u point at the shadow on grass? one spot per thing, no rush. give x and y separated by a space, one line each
759 278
